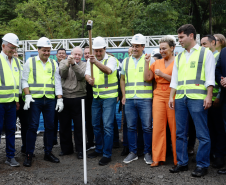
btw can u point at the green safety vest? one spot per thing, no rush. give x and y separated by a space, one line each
8 93
134 79
105 86
216 87
191 75
42 82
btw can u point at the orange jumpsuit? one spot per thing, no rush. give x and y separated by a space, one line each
162 113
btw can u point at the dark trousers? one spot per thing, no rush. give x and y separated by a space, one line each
191 132
217 132
47 107
116 134
72 111
24 118
55 127
8 115
88 115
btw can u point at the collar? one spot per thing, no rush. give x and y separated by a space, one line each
196 47
215 52
139 58
38 58
4 55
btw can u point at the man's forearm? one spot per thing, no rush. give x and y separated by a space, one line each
26 91
103 68
210 91
172 92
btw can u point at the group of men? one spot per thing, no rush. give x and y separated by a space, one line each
49 85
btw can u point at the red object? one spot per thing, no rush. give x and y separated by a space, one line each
197 84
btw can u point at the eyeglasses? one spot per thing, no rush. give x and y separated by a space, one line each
12 48
217 40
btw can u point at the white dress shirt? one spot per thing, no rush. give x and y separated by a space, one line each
209 68
26 72
112 64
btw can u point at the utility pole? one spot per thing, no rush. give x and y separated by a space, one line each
83 9
210 18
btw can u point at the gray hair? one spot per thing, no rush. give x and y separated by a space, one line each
168 39
5 42
77 47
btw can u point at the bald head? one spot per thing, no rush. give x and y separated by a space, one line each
77 54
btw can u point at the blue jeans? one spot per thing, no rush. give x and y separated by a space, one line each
116 134
47 107
134 109
8 115
104 133
140 140
182 108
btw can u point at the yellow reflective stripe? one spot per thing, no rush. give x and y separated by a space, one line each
7 95
50 85
49 92
37 92
106 85
130 84
130 92
143 84
36 85
105 92
6 87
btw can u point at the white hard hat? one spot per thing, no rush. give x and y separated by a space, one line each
11 38
138 39
99 43
44 42
154 52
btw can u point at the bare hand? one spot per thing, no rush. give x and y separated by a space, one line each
92 59
123 100
223 81
17 106
91 81
216 103
70 59
158 72
171 103
207 102
147 58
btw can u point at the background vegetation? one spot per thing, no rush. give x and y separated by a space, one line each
57 19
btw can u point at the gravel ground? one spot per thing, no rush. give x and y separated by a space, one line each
70 171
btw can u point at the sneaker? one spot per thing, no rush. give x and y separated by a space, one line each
90 147
12 162
147 158
131 157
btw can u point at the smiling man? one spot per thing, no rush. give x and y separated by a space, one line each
192 81
61 54
10 71
137 98
105 93
41 83
72 71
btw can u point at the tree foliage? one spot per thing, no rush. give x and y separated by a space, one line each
57 19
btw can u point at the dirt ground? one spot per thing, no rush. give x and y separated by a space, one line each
70 170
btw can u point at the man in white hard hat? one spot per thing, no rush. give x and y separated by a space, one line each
41 82
105 93
9 93
137 98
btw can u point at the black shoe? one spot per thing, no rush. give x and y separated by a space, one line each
28 160
140 152
50 157
94 154
199 172
62 153
90 146
116 145
222 172
178 168
125 151
104 161
80 155
218 162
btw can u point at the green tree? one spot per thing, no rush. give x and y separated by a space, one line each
156 19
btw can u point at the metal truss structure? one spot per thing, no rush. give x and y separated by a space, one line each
112 42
